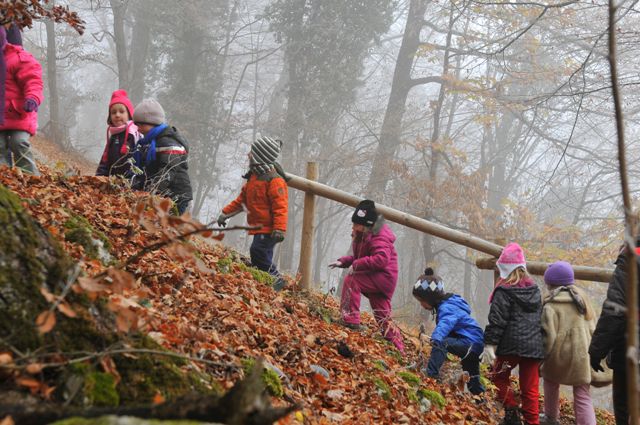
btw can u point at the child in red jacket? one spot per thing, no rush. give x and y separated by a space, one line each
265 198
20 95
122 136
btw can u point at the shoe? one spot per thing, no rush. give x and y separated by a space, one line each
354 326
544 420
511 416
279 284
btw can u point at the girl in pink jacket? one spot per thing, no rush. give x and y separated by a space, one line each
374 272
20 95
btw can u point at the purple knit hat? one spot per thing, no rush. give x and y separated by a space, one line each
559 273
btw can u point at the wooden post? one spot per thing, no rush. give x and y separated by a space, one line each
308 229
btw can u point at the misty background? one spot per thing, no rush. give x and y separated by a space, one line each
492 119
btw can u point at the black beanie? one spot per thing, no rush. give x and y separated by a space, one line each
365 213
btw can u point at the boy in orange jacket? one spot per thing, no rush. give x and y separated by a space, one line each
265 198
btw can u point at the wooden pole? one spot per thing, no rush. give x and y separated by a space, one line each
594 274
308 230
630 232
438 230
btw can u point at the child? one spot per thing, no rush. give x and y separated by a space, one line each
122 136
20 95
162 156
265 197
568 321
456 331
514 333
610 337
374 271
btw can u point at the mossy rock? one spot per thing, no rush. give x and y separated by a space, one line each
270 378
258 275
433 396
96 245
410 378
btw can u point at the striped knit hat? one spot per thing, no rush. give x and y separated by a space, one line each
265 150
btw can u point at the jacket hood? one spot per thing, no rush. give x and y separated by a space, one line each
528 298
456 301
380 229
172 132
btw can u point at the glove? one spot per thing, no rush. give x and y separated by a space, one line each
595 364
488 355
30 105
222 220
277 236
335 264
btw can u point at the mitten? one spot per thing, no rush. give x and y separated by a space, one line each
277 236
222 220
488 356
30 105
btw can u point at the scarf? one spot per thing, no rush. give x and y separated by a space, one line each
128 128
148 142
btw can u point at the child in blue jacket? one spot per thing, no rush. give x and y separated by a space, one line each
456 331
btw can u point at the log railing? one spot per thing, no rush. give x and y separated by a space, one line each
311 188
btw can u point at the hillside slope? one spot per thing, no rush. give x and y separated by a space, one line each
200 300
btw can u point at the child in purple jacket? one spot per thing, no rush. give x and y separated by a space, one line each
374 271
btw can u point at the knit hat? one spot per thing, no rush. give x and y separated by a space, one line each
149 111
14 35
429 288
265 150
559 273
120 96
365 213
511 258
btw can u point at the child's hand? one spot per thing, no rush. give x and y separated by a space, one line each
335 264
488 356
222 220
277 236
30 105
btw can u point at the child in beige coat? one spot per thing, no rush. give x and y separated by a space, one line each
568 321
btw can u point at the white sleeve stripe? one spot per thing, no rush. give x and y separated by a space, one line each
171 148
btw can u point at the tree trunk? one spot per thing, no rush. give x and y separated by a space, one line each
139 52
400 87
55 126
119 9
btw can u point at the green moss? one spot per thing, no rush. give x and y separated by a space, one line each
258 275
380 365
224 265
433 396
270 378
410 378
412 395
383 388
78 230
29 259
395 354
100 389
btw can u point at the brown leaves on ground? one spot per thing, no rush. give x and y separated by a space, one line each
227 316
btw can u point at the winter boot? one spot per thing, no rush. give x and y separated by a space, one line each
511 416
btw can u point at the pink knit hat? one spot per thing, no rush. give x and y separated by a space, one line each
511 258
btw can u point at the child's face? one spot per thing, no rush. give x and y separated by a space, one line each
145 128
426 305
118 114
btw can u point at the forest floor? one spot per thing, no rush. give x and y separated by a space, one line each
203 301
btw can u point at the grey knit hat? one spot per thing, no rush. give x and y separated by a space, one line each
265 150
149 111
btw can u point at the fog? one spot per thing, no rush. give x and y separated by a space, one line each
495 120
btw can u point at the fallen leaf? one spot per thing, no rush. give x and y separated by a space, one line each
7 420
45 321
47 295
66 310
158 399
34 368
6 358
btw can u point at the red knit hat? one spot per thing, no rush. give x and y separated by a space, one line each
120 96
